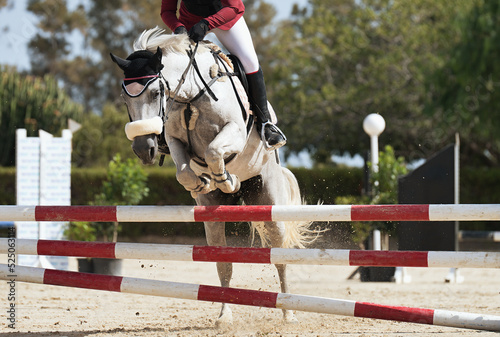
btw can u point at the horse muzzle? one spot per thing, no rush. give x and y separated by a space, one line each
146 148
144 134
144 127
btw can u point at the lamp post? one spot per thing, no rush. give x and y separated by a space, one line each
374 125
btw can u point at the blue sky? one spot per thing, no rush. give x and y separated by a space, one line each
17 27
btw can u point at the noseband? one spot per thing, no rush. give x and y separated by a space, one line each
146 126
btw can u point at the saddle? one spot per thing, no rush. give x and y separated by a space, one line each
239 71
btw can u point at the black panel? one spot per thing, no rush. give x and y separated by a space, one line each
431 183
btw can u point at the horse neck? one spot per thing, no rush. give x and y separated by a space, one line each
175 65
176 62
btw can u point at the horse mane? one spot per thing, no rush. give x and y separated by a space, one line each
156 37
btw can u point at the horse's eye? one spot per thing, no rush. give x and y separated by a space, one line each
155 94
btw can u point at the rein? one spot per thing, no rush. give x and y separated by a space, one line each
182 80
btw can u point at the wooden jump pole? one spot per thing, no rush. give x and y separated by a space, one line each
251 298
453 212
339 257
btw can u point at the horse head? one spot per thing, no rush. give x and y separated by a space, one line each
143 91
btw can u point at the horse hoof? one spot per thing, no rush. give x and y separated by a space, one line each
203 187
224 321
237 183
289 318
229 186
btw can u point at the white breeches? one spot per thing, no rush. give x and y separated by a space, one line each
238 41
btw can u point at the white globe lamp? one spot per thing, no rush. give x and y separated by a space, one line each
374 125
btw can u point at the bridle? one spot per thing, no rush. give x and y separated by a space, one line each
168 99
172 96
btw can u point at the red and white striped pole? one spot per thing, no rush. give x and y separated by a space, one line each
462 212
339 257
252 298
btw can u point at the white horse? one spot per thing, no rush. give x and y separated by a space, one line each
185 93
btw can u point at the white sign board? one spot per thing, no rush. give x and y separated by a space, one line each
53 187
27 186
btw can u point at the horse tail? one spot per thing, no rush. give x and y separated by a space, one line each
296 234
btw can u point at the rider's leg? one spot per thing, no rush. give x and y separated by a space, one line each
238 41
270 133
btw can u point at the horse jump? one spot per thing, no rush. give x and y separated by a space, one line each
254 255
253 298
452 212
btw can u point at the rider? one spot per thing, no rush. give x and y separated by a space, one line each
225 19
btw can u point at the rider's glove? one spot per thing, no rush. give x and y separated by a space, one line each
199 30
180 30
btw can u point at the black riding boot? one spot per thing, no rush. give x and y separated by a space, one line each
270 134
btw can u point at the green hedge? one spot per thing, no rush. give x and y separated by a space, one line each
325 184
480 186
163 187
316 185
7 185
477 186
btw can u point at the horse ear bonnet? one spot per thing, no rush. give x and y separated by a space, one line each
123 64
155 63
143 63
158 56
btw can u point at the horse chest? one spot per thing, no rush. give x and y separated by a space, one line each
195 135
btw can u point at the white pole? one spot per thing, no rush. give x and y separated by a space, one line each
377 241
454 274
374 152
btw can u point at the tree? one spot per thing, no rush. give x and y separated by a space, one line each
102 27
465 89
31 103
344 59
101 138
126 184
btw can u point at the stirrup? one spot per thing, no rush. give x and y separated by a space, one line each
277 130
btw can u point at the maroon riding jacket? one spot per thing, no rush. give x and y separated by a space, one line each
231 12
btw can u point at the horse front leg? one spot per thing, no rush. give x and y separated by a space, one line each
230 140
184 174
215 233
